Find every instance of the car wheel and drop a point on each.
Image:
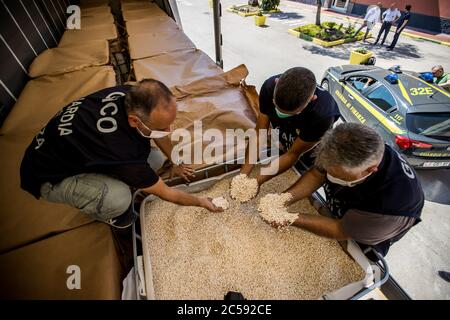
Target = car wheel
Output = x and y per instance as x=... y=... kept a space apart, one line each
x=325 y=85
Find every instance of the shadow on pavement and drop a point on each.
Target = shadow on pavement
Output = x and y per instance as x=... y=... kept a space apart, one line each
x=285 y=15
x=402 y=50
x=436 y=185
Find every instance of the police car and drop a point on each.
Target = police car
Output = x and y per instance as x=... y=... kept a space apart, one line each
x=406 y=108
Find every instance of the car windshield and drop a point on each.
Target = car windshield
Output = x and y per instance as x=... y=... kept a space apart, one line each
x=429 y=124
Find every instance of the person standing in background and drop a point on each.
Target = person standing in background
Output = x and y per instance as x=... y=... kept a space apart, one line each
x=401 y=25
x=389 y=18
x=370 y=20
x=440 y=77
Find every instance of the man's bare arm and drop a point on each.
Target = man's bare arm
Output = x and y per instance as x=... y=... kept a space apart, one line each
x=321 y=226
x=262 y=122
x=164 y=192
x=312 y=180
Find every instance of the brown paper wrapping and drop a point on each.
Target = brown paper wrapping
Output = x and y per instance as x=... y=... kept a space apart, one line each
x=78 y=37
x=177 y=68
x=153 y=44
x=70 y=58
x=43 y=97
x=153 y=24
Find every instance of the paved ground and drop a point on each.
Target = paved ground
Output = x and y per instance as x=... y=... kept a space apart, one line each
x=270 y=50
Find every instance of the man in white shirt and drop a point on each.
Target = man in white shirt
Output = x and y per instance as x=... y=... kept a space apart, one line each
x=372 y=17
x=389 y=18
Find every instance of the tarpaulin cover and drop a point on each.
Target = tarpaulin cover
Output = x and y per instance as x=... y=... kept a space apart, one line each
x=70 y=58
x=220 y=102
x=43 y=97
x=150 y=44
x=177 y=68
x=76 y=37
x=43 y=269
x=154 y=24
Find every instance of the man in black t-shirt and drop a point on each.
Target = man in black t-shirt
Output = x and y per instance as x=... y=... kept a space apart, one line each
x=302 y=112
x=401 y=25
x=371 y=190
x=95 y=149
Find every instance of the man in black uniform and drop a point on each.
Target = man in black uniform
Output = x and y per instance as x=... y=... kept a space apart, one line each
x=302 y=112
x=401 y=25
x=371 y=190
x=93 y=150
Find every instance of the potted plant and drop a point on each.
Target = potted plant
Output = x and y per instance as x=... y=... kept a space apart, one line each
x=360 y=55
x=260 y=19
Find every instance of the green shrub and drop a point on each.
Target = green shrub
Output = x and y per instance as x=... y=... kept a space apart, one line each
x=328 y=31
x=267 y=5
x=306 y=37
x=311 y=30
x=350 y=29
x=324 y=35
x=329 y=25
x=361 y=50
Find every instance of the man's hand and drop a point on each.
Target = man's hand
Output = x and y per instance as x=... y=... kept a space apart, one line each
x=207 y=204
x=277 y=225
x=184 y=171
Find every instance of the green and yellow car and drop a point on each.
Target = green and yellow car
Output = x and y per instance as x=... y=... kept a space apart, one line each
x=406 y=108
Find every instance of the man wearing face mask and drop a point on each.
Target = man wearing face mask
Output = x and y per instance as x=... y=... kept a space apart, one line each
x=96 y=150
x=371 y=190
x=301 y=111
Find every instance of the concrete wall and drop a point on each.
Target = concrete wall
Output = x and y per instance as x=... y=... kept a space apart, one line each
x=430 y=15
x=444 y=8
x=428 y=7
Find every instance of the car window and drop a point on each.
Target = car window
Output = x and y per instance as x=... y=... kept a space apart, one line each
x=436 y=125
x=361 y=83
x=382 y=98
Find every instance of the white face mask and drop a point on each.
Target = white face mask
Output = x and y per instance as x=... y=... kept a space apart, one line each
x=346 y=183
x=154 y=134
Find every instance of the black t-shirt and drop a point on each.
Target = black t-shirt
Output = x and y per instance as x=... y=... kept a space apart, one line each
x=403 y=18
x=392 y=190
x=90 y=135
x=310 y=125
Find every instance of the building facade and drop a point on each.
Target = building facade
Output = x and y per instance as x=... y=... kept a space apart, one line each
x=430 y=15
